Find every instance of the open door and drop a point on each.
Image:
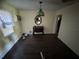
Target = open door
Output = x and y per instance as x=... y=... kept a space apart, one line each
x=58 y=23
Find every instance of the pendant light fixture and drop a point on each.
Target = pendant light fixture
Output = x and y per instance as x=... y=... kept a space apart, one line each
x=40 y=12
x=38 y=18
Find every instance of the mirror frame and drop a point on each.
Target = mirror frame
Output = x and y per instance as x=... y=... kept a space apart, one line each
x=38 y=20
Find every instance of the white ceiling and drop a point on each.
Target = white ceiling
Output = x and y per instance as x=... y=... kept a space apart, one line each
x=34 y=4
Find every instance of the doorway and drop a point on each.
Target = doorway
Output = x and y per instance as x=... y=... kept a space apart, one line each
x=58 y=23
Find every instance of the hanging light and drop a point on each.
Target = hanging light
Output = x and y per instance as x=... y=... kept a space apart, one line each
x=40 y=12
x=38 y=18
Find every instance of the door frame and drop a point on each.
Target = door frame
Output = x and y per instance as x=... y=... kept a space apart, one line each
x=58 y=24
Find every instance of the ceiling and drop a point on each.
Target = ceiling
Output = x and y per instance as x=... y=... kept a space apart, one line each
x=47 y=4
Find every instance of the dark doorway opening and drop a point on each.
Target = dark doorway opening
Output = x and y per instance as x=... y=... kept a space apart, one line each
x=58 y=23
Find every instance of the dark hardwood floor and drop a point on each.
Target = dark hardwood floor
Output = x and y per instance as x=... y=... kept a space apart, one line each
x=50 y=46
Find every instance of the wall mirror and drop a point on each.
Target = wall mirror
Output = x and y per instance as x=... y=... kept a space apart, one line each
x=38 y=20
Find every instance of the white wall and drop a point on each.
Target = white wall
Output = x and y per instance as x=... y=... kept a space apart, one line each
x=28 y=20
x=69 y=29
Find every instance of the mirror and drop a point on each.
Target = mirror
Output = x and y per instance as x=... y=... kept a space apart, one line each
x=38 y=20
